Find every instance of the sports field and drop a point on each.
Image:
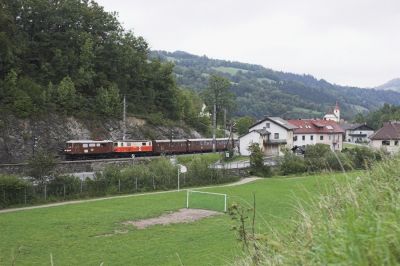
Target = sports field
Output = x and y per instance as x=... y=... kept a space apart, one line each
x=93 y=233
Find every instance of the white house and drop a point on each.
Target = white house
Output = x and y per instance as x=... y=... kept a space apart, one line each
x=271 y=133
x=357 y=133
x=334 y=114
x=313 y=131
x=387 y=137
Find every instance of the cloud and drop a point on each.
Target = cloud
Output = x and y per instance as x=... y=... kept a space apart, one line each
x=349 y=42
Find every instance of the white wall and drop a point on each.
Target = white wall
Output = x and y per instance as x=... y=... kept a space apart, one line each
x=284 y=134
x=246 y=140
x=354 y=139
x=392 y=148
x=328 y=139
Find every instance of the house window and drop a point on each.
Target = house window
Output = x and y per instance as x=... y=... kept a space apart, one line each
x=303 y=137
x=295 y=138
x=321 y=137
x=312 y=137
x=276 y=136
x=386 y=142
x=267 y=125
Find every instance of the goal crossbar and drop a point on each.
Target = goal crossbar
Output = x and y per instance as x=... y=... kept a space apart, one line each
x=188 y=191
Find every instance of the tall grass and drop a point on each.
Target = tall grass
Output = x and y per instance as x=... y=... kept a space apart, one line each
x=352 y=223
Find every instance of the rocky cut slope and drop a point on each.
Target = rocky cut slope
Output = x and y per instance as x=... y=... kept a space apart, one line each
x=17 y=135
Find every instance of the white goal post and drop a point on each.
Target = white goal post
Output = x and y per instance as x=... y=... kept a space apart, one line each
x=189 y=192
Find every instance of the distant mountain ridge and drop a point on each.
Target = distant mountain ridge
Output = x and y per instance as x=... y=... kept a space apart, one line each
x=261 y=91
x=393 y=85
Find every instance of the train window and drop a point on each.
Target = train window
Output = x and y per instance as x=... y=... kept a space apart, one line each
x=92 y=145
x=103 y=144
x=98 y=145
x=129 y=144
x=115 y=144
x=85 y=145
x=143 y=143
x=69 y=145
x=122 y=144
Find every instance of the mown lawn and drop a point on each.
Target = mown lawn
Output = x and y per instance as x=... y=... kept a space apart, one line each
x=77 y=234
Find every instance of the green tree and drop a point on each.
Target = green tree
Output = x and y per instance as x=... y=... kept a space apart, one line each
x=41 y=166
x=257 y=161
x=108 y=102
x=243 y=124
x=315 y=157
x=65 y=95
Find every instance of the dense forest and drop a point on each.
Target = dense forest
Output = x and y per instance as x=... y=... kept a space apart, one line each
x=73 y=58
x=376 y=118
x=261 y=91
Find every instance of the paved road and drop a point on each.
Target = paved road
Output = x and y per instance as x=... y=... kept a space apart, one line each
x=240 y=182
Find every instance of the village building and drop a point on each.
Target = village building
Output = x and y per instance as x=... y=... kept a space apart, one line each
x=333 y=114
x=314 y=131
x=387 y=137
x=273 y=135
x=357 y=133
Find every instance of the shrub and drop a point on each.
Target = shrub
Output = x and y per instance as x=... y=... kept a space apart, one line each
x=315 y=157
x=363 y=157
x=11 y=189
x=41 y=166
x=337 y=161
x=292 y=164
x=257 y=162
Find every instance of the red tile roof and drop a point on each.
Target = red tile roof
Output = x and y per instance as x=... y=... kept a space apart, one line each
x=390 y=130
x=316 y=126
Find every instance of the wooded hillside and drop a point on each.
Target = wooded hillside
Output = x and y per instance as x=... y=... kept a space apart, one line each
x=261 y=91
x=72 y=57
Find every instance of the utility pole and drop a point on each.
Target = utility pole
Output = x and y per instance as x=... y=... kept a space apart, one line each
x=124 y=119
x=214 y=126
x=224 y=122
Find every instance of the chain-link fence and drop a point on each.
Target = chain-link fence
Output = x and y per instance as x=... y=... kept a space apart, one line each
x=68 y=187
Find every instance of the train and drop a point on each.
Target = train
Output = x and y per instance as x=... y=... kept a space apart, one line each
x=101 y=149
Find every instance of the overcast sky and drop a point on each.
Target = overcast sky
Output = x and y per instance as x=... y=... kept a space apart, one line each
x=347 y=42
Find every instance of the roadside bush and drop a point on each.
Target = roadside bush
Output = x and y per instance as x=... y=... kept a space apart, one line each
x=257 y=162
x=64 y=186
x=292 y=164
x=338 y=161
x=363 y=157
x=315 y=157
x=11 y=189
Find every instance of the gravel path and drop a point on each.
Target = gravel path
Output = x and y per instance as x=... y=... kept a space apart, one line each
x=240 y=182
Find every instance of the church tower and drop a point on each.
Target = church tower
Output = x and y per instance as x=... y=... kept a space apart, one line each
x=336 y=112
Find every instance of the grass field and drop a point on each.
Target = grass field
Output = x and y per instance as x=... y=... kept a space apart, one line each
x=92 y=233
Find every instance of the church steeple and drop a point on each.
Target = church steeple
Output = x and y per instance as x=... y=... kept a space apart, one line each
x=336 y=111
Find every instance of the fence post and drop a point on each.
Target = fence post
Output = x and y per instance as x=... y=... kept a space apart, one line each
x=45 y=191
x=81 y=185
x=25 y=196
x=4 y=194
x=136 y=184
x=119 y=185
x=64 y=191
x=154 y=184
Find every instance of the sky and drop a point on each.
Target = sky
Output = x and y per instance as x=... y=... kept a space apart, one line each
x=347 y=42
